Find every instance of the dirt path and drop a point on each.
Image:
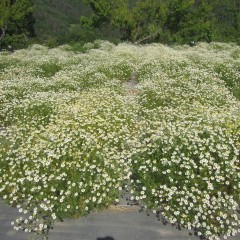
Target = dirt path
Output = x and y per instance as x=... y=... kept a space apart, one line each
x=131 y=86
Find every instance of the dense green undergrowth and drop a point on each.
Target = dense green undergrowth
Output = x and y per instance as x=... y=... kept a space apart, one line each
x=74 y=133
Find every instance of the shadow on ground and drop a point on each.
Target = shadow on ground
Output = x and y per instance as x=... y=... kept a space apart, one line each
x=106 y=238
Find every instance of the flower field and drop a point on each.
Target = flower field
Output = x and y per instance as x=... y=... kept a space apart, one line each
x=74 y=133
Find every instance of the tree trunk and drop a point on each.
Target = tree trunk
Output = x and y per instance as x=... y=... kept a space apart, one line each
x=3 y=29
x=147 y=37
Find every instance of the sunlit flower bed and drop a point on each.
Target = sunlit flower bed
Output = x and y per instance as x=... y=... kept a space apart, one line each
x=73 y=134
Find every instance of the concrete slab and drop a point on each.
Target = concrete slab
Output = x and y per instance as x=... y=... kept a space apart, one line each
x=116 y=223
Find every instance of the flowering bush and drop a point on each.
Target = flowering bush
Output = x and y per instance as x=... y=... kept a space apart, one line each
x=73 y=135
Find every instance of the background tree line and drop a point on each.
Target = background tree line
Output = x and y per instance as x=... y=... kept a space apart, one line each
x=16 y=22
x=168 y=21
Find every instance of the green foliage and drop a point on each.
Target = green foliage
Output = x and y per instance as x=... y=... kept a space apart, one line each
x=76 y=47
x=16 y=22
x=48 y=69
x=178 y=9
x=149 y=19
x=78 y=33
x=122 y=19
x=230 y=75
x=140 y=21
x=53 y=18
x=198 y=25
x=190 y=20
x=226 y=20
x=102 y=10
x=51 y=42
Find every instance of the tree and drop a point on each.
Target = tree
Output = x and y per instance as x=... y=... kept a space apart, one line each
x=149 y=18
x=101 y=11
x=227 y=20
x=122 y=19
x=190 y=20
x=177 y=11
x=198 y=22
x=137 y=21
x=14 y=13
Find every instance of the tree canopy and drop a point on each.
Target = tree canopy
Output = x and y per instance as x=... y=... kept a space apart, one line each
x=15 y=17
x=170 y=21
x=139 y=21
x=135 y=20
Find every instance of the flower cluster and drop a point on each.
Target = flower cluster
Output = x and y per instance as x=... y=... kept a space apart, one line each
x=73 y=135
